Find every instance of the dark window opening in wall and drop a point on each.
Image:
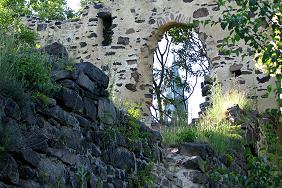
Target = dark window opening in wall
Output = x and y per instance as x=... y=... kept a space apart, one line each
x=107 y=21
x=236 y=73
x=235 y=70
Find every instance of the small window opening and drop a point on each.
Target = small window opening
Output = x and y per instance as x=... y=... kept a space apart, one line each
x=236 y=73
x=107 y=20
x=235 y=70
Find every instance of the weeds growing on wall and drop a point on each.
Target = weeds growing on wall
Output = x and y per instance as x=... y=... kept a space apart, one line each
x=23 y=70
x=212 y=127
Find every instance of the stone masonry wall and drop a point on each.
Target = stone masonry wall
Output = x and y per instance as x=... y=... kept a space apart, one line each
x=73 y=139
x=120 y=38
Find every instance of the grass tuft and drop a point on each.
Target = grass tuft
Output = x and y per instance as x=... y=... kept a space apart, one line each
x=212 y=127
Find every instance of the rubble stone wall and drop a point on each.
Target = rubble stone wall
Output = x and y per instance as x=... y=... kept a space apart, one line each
x=120 y=37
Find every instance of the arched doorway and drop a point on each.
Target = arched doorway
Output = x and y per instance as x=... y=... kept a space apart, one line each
x=177 y=67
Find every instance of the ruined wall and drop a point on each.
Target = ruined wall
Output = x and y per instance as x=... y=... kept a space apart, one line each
x=120 y=37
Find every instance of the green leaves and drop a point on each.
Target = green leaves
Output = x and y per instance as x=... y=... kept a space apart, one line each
x=250 y=23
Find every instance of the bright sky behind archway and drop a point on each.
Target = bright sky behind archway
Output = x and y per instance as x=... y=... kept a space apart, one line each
x=74 y=4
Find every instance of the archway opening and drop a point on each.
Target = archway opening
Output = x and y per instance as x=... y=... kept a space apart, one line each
x=180 y=65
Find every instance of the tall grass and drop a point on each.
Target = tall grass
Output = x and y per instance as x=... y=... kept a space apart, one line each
x=212 y=127
x=22 y=69
x=10 y=86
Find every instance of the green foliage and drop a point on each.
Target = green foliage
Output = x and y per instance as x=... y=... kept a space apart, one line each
x=41 y=97
x=33 y=69
x=83 y=176
x=23 y=70
x=190 y=61
x=181 y=33
x=46 y=10
x=144 y=177
x=226 y=176
x=84 y=3
x=258 y=24
x=188 y=135
x=222 y=101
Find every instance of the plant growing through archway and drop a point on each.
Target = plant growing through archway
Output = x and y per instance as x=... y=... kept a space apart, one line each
x=174 y=83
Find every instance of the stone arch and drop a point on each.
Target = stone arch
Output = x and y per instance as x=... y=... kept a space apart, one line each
x=145 y=68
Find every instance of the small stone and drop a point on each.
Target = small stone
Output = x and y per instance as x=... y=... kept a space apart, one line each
x=30 y=157
x=106 y=111
x=201 y=12
x=123 y=41
x=90 y=109
x=193 y=163
x=12 y=109
x=36 y=141
x=70 y=99
x=198 y=177
x=64 y=155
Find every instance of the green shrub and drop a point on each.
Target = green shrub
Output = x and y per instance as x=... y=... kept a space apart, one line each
x=144 y=177
x=23 y=70
x=187 y=135
x=33 y=69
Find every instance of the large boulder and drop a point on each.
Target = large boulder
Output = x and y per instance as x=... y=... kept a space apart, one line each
x=95 y=74
x=57 y=52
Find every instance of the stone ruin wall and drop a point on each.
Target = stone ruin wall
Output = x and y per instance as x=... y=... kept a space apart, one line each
x=137 y=26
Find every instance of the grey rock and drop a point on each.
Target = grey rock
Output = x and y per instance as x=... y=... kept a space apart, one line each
x=94 y=74
x=63 y=117
x=90 y=108
x=85 y=123
x=85 y=82
x=50 y=172
x=58 y=75
x=36 y=141
x=118 y=183
x=206 y=90
x=31 y=157
x=29 y=184
x=71 y=138
x=195 y=149
x=26 y=172
x=63 y=154
x=12 y=109
x=123 y=40
x=106 y=111
x=235 y=67
x=2 y=185
x=141 y=164
x=194 y=163
x=28 y=113
x=201 y=12
x=123 y=159
x=56 y=49
x=95 y=150
x=11 y=138
x=70 y=99
x=121 y=140
x=95 y=181
x=198 y=177
x=8 y=169
x=69 y=84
